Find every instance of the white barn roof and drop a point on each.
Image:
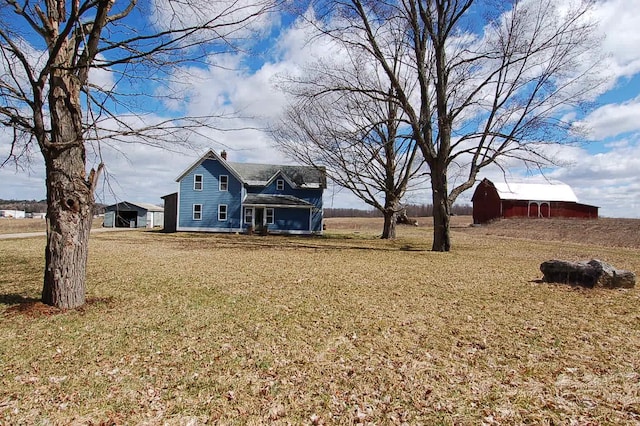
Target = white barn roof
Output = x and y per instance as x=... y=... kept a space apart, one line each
x=536 y=191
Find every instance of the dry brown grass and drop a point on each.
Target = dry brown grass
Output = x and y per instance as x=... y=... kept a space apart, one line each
x=343 y=329
x=16 y=226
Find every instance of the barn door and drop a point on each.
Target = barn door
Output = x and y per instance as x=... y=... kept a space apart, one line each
x=545 y=210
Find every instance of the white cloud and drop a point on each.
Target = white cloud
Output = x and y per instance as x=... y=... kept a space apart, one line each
x=618 y=24
x=143 y=173
x=613 y=119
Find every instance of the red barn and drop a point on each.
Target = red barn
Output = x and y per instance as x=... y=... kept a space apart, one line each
x=531 y=199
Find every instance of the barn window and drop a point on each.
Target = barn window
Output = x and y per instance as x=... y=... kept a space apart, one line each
x=197 y=212
x=280 y=185
x=269 y=216
x=222 y=212
x=248 y=215
x=197 y=182
x=224 y=183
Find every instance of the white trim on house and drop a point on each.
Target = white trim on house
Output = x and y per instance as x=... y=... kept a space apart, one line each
x=193 y=211
x=281 y=175
x=199 y=229
x=266 y=216
x=239 y=230
x=195 y=182
x=285 y=232
x=246 y=209
x=210 y=155
x=226 y=183
x=226 y=212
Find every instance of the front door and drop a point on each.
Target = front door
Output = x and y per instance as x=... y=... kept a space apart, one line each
x=259 y=219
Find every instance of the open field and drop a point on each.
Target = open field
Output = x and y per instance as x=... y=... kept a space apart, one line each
x=604 y=231
x=343 y=329
x=14 y=226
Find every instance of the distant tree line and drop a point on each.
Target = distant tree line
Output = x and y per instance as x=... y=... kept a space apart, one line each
x=38 y=206
x=412 y=210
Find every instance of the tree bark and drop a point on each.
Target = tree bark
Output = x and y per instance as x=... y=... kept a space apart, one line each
x=389 y=228
x=69 y=197
x=441 y=213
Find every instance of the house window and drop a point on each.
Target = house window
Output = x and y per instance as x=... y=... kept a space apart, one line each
x=222 y=212
x=224 y=183
x=197 y=212
x=280 y=185
x=197 y=182
x=248 y=215
x=269 y=216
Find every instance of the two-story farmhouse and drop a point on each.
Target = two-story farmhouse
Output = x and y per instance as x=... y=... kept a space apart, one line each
x=216 y=195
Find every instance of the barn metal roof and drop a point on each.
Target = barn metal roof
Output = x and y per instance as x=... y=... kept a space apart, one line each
x=124 y=205
x=535 y=190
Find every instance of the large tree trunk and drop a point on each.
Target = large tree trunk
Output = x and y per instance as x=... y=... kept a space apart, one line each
x=389 y=229
x=69 y=197
x=441 y=231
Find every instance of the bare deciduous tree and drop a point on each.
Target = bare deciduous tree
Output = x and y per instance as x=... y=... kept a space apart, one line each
x=48 y=48
x=487 y=85
x=343 y=119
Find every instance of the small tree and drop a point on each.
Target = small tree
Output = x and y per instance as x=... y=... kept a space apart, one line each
x=473 y=99
x=48 y=49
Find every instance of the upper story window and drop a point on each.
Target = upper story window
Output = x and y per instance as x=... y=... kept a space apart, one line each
x=222 y=212
x=280 y=185
x=224 y=183
x=197 y=182
x=197 y=212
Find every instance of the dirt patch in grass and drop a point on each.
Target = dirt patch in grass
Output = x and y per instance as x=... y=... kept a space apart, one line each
x=34 y=308
x=342 y=329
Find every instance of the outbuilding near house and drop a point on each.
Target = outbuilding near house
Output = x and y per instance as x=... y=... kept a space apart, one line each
x=15 y=214
x=533 y=199
x=133 y=215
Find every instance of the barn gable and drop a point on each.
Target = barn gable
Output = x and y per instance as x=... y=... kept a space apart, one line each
x=532 y=199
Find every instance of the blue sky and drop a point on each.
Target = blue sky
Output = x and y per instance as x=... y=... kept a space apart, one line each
x=604 y=171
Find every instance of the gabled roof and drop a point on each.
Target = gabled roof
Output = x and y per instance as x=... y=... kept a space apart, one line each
x=535 y=190
x=263 y=174
x=145 y=206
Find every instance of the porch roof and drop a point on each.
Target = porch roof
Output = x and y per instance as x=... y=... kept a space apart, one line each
x=269 y=200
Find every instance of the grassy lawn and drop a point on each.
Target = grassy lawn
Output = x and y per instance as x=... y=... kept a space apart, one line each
x=16 y=226
x=343 y=329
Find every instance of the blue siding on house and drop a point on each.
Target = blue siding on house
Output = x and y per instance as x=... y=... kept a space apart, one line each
x=210 y=197
x=313 y=196
x=295 y=218
x=290 y=220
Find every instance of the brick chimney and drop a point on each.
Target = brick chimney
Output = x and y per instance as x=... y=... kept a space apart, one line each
x=223 y=154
